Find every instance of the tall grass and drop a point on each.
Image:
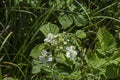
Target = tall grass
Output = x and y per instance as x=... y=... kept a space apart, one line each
x=21 y=20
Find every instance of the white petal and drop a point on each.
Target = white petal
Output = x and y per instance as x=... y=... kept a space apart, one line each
x=50 y=59
x=44 y=52
x=75 y=53
x=68 y=48
x=67 y=54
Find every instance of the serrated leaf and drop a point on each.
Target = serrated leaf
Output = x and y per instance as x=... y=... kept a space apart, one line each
x=112 y=71
x=36 y=69
x=80 y=34
x=96 y=63
x=36 y=51
x=79 y=20
x=107 y=43
x=91 y=55
x=49 y=28
x=65 y=20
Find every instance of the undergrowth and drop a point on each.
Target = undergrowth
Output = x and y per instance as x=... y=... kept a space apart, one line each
x=59 y=39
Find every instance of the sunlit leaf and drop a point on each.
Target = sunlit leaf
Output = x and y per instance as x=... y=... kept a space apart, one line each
x=36 y=51
x=96 y=63
x=80 y=34
x=36 y=69
x=49 y=28
x=107 y=43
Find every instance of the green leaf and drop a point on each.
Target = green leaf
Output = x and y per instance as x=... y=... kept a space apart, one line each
x=75 y=75
x=36 y=51
x=69 y=2
x=72 y=7
x=93 y=60
x=10 y=78
x=80 y=34
x=107 y=43
x=112 y=71
x=36 y=66
x=79 y=20
x=36 y=69
x=58 y=4
x=97 y=63
x=46 y=69
x=49 y=28
x=40 y=67
x=65 y=20
x=118 y=59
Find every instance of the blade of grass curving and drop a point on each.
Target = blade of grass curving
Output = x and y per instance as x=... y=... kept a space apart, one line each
x=2 y=24
x=107 y=17
x=13 y=64
x=4 y=29
x=105 y=8
x=25 y=11
x=31 y=31
x=5 y=40
x=83 y=9
x=40 y=21
x=45 y=19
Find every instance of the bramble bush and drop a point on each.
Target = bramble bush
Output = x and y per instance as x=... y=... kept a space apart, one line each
x=59 y=40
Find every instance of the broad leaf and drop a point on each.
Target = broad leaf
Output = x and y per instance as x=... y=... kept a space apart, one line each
x=97 y=63
x=79 y=20
x=36 y=66
x=65 y=20
x=80 y=34
x=39 y=67
x=36 y=51
x=49 y=28
x=107 y=43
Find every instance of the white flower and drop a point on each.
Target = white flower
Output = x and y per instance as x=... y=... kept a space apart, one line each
x=71 y=52
x=51 y=38
x=65 y=42
x=45 y=57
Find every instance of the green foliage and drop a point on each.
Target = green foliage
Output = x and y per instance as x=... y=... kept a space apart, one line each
x=107 y=43
x=80 y=34
x=49 y=28
x=59 y=40
x=65 y=20
x=37 y=50
x=9 y=78
x=112 y=71
x=79 y=20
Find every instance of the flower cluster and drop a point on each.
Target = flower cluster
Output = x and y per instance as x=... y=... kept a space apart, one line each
x=71 y=52
x=51 y=38
x=61 y=47
x=45 y=56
